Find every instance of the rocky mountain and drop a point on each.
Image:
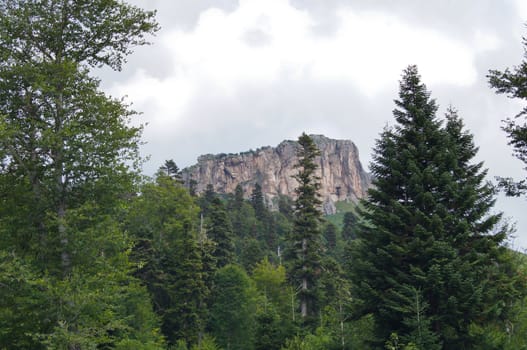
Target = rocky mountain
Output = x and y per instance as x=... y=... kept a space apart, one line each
x=340 y=170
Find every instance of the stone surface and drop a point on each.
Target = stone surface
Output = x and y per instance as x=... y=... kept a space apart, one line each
x=341 y=174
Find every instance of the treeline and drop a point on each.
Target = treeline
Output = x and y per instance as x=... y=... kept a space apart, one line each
x=95 y=256
x=225 y=270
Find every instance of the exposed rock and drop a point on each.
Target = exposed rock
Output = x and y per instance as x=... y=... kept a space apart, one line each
x=341 y=174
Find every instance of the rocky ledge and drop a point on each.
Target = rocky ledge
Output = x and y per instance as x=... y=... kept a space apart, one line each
x=341 y=173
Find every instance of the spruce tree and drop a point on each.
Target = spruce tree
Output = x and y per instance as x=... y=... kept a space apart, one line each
x=428 y=228
x=349 y=224
x=238 y=199
x=206 y=198
x=304 y=252
x=330 y=234
x=219 y=230
x=257 y=201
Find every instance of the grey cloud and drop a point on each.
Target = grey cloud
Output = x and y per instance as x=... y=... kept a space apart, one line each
x=265 y=115
x=456 y=17
x=155 y=59
x=256 y=38
x=183 y=14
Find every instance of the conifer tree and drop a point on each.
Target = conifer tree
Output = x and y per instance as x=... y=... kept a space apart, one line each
x=304 y=252
x=186 y=317
x=171 y=169
x=428 y=227
x=163 y=223
x=257 y=201
x=232 y=312
x=219 y=230
x=238 y=198
x=330 y=234
x=349 y=224
x=205 y=201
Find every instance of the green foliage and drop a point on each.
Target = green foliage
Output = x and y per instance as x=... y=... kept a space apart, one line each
x=318 y=341
x=285 y=206
x=207 y=343
x=349 y=226
x=205 y=201
x=251 y=252
x=237 y=200
x=413 y=309
x=257 y=201
x=64 y=142
x=342 y=207
x=304 y=250
x=24 y=304
x=98 y=304
x=69 y=158
x=395 y=344
x=163 y=221
x=171 y=169
x=428 y=228
x=269 y=329
x=101 y=304
x=232 y=310
x=270 y=283
x=274 y=308
x=95 y=313
x=330 y=235
x=219 y=230
x=270 y=280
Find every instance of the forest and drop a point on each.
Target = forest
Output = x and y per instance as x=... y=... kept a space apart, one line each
x=95 y=255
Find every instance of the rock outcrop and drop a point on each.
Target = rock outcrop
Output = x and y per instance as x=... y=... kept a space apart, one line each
x=341 y=174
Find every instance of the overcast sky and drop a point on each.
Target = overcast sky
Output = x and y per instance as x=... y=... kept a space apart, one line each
x=232 y=75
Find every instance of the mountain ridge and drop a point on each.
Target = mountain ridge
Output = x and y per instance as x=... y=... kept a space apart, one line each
x=341 y=173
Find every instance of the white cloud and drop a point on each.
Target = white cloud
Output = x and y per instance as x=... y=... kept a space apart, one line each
x=521 y=6
x=370 y=49
x=165 y=98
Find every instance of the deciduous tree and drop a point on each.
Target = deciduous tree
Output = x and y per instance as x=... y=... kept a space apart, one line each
x=68 y=159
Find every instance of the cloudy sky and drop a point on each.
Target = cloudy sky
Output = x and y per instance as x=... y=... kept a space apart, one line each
x=232 y=75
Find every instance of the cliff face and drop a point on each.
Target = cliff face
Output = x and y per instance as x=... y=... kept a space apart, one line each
x=340 y=170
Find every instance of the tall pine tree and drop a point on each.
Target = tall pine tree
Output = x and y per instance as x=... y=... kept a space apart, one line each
x=304 y=253
x=219 y=230
x=428 y=228
x=257 y=201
